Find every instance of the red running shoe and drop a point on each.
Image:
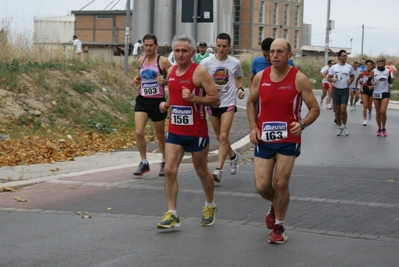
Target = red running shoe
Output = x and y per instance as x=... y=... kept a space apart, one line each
x=270 y=218
x=278 y=236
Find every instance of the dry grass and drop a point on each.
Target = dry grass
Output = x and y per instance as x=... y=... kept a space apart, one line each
x=46 y=95
x=20 y=47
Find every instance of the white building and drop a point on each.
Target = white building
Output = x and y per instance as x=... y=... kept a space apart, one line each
x=53 y=30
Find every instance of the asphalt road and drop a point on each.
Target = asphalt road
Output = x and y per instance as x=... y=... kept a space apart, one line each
x=343 y=211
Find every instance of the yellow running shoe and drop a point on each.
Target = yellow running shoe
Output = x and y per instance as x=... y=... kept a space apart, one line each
x=169 y=221
x=209 y=215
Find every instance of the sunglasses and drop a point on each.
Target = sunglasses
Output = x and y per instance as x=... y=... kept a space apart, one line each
x=381 y=60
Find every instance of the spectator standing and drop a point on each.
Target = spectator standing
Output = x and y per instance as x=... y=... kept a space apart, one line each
x=77 y=45
x=137 y=49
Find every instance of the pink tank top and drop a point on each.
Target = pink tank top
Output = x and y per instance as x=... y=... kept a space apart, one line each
x=149 y=87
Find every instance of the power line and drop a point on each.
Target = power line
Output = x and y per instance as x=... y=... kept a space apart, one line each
x=86 y=5
x=109 y=4
x=115 y=4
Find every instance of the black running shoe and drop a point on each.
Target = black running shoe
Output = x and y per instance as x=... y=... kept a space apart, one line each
x=143 y=168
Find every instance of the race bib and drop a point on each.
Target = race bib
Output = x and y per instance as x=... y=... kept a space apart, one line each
x=377 y=95
x=274 y=130
x=149 y=88
x=181 y=115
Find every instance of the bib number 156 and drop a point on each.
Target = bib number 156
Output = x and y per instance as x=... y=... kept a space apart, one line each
x=180 y=120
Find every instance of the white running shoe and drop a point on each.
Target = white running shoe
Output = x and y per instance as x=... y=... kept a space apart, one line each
x=234 y=163
x=217 y=175
x=370 y=116
x=351 y=108
x=340 y=131
x=364 y=123
x=321 y=103
x=346 y=131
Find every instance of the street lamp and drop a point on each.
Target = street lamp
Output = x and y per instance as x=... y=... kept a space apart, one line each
x=351 y=44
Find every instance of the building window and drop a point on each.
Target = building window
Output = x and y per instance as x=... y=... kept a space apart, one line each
x=260 y=36
x=296 y=45
x=237 y=10
x=275 y=13
x=285 y=34
x=262 y=12
x=236 y=40
x=274 y=33
x=286 y=8
x=296 y=16
x=105 y=16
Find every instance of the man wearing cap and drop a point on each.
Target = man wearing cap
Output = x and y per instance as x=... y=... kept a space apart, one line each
x=202 y=52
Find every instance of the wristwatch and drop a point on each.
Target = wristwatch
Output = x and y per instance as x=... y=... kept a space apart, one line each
x=303 y=125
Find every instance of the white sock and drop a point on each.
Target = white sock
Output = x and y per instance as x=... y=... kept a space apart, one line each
x=210 y=204
x=174 y=212
x=144 y=161
x=279 y=222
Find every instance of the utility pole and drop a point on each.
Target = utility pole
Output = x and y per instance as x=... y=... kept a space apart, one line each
x=127 y=34
x=251 y=25
x=326 y=51
x=362 y=38
x=195 y=21
x=351 y=44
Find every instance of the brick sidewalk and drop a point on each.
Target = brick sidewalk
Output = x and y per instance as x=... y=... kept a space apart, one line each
x=323 y=200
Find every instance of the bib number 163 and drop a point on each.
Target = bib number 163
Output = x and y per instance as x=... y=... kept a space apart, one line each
x=271 y=136
x=274 y=130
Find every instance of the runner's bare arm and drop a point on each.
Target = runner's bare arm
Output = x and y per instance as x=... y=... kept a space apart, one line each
x=203 y=79
x=250 y=80
x=240 y=89
x=165 y=64
x=252 y=108
x=358 y=78
x=137 y=79
x=305 y=88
